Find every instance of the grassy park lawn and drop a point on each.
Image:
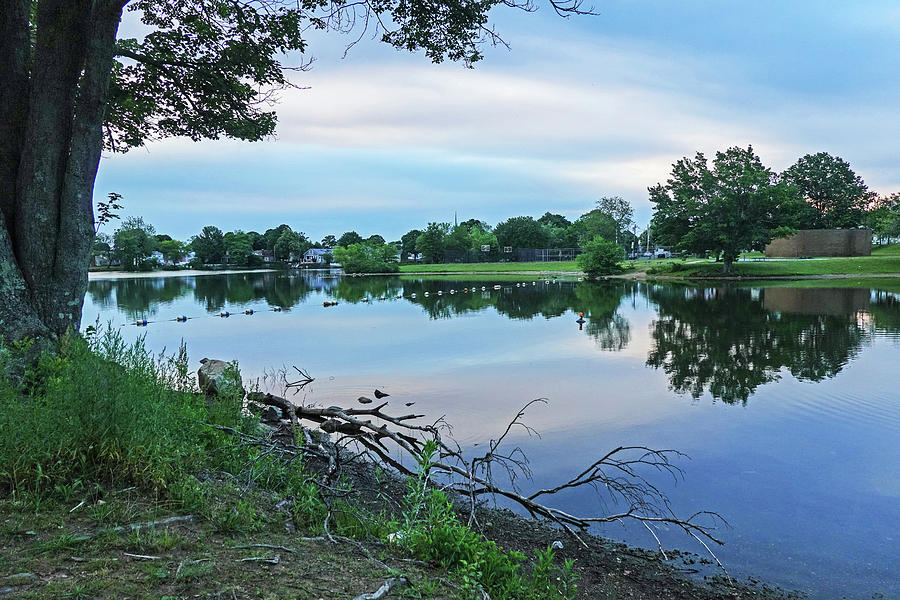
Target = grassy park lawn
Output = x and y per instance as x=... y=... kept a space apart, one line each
x=496 y=267
x=884 y=260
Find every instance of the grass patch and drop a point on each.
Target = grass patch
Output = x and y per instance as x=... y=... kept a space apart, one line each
x=886 y=250
x=497 y=267
x=99 y=411
x=103 y=435
x=878 y=264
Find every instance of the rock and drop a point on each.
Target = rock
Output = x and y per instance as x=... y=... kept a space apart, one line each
x=270 y=414
x=217 y=378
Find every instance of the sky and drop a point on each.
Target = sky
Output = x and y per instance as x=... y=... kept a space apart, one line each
x=578 y=108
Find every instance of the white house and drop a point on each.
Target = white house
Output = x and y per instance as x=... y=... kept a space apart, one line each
x=316 y=256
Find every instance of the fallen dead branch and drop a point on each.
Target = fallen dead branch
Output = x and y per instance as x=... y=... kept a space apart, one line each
x=140 y=556
x=266 y=546
x=272 y=560
x=620 y=476
x=384 y=590
x=143 y=525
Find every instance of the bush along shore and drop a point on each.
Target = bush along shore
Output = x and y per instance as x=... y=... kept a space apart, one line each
x=119 y=478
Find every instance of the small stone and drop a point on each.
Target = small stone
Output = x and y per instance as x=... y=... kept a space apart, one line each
x=557 y=544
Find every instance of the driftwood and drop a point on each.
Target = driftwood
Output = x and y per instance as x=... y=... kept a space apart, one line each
x=384 y=590
x=377 y=434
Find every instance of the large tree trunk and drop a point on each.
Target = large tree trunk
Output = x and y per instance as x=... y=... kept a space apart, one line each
x=54 y=76
x=728 y=259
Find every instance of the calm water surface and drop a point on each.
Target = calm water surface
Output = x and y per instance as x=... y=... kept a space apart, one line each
x=787 y=399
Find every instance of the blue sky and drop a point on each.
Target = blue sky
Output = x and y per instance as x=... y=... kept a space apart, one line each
x=579 y=108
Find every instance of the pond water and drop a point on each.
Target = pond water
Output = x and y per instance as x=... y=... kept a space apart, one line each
x=786 y=398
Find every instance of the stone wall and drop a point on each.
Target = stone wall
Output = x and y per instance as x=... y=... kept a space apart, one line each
x=823 y=242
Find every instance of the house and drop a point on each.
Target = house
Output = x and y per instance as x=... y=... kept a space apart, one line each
x=265 y=255
x=317 y=256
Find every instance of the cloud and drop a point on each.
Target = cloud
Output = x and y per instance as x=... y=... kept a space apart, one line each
x=578 y=110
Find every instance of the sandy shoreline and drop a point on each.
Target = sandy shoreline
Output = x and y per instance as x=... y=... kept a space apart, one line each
x=101 y=275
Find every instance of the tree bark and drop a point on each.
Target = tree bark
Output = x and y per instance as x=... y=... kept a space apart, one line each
x=54 y=78
x=76 y=231
x=14 y=57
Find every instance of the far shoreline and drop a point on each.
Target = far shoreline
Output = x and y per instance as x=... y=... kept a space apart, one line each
x=101 y=275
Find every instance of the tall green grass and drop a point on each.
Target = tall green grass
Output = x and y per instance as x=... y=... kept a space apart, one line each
x=103 y=411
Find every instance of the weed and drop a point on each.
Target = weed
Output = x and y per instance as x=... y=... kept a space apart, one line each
x=192 y=570
x=432 y=532
x=152 y=540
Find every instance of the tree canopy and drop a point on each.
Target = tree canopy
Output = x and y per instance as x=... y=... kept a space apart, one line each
x=521 y=232
x=134 y=242
x=209 y=246
x=835 y=196
x=350 y=237
x=736 y=204
x=619 y=211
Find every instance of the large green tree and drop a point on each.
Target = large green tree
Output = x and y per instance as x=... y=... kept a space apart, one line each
x=134 y=242
x=591 y=224
x=203 y=69
x=408 y=243
x=209 y=246
x=289 y=244
x=432 y=242
x=350 y=237
x=172 y=250
x=734 y=205
x=835 y=195
x=883 y=217
x=239 y=247
x=521 y=232
x=619 y=210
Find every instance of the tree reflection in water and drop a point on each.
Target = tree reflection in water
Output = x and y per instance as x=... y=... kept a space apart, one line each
x=142 y=297
x=598 y=301
x=729 y=340
x=724 y=340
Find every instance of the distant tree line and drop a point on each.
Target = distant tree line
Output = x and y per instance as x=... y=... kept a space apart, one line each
x=611 y=218
x=720 y=208
x=135 y=245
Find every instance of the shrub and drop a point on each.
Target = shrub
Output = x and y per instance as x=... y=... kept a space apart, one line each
x=365 y=258
x=600 y=257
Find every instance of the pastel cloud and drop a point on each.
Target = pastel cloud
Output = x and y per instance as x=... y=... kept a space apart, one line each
x=385 y=142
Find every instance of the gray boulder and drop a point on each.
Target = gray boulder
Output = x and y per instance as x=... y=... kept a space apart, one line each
x=217 y=378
